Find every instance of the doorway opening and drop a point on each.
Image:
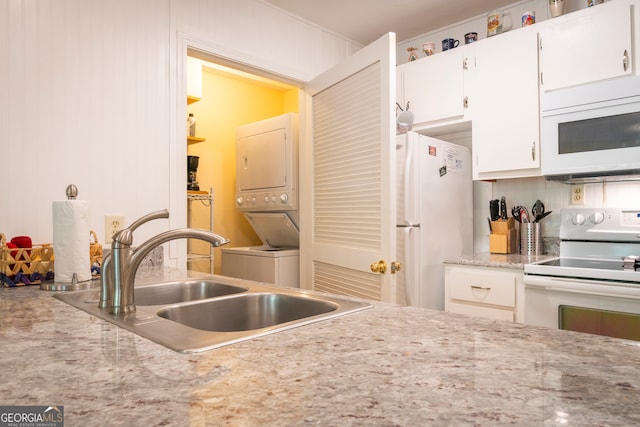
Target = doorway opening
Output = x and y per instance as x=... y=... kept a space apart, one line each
x=228 y=95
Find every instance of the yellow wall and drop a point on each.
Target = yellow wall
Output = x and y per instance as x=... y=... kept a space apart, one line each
x=227 y=102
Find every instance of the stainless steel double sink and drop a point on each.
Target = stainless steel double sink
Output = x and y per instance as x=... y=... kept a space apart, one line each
x=199 y=314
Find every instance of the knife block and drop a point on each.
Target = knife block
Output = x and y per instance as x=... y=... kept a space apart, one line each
x=504 y=237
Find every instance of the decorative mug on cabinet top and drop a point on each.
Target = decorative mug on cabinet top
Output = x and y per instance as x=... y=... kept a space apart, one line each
x=429 y=48
x=449 y=44
x=498 y=22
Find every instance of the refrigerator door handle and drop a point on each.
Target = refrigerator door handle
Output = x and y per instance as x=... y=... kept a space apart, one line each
x=408 y=173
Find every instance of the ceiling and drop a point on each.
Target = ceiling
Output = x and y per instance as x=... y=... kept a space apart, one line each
x=364 y=21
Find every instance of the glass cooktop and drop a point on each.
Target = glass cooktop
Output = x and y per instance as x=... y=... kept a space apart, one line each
x=584 y=268
x=584 y=263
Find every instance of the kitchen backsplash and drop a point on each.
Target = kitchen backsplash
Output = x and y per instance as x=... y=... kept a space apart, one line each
x=154 y=259
x=554 y=195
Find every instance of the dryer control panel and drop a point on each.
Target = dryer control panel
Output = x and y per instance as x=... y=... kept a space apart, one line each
x=267 y=201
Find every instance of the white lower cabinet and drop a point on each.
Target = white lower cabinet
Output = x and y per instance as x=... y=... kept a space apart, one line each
x=494 y=293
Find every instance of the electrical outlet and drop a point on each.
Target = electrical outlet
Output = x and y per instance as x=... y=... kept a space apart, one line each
x=577 y=194
x=112 y=224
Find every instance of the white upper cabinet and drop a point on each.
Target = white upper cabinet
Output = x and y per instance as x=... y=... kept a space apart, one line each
x=505 y=103
x=586 y=46
x=434 y=87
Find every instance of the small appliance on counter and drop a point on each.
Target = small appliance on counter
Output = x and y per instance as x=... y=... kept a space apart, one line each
x=192 y=169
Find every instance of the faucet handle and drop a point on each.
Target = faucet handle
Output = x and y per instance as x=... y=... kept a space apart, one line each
x=123 y=237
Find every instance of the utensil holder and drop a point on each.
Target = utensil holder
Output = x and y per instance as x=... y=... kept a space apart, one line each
x=530 y=242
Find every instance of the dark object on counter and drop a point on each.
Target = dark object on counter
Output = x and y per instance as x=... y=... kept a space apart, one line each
x=192 y=169
x=515 y=212
x=494 y=209
x=537 y=209
x=543 y=216
x=503 y=208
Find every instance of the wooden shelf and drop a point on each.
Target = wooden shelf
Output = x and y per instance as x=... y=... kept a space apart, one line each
x=194 y=140
x=192 y=99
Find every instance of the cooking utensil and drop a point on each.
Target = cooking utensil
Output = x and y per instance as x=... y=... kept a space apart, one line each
x=541 y=217
x=503 y=208
x=537 y=209
x=515 y=212
x=524 y=215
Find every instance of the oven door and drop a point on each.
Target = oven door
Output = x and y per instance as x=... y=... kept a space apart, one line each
x=599 y=307
x=593 y=139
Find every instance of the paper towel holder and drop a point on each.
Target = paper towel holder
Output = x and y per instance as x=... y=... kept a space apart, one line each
x=72 y=193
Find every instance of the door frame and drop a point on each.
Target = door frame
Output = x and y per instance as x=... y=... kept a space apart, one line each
x=186 y=44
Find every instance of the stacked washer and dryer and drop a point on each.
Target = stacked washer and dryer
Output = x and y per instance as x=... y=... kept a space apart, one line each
x=267 y=193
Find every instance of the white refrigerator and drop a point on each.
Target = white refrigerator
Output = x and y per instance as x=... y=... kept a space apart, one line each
x=434 y=215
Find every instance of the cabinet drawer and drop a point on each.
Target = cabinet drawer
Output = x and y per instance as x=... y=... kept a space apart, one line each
x=486 y=312
x=483 y=286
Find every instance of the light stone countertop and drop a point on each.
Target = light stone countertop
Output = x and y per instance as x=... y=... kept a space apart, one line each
x=515 y=261
x=386 y=366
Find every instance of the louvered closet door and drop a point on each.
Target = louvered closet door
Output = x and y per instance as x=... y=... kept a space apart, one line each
x=350 y=222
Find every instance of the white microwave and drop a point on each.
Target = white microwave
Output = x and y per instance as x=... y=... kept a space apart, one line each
x=592 y=131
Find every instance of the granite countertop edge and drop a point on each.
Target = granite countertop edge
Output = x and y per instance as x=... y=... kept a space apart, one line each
x=388 y=366
x=513 y=261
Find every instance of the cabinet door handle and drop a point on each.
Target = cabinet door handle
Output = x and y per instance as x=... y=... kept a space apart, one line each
x=465 y=102
x=533 y=151
x=465 y=64
x=481 y=288
x=625 y=60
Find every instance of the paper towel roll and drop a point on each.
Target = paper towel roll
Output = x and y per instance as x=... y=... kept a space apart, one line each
x=71 y=240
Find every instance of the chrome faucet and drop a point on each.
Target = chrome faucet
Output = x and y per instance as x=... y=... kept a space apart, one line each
x=106 y=289
x=126 y=261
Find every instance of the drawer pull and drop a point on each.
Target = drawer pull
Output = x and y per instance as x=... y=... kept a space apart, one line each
x=481 y=288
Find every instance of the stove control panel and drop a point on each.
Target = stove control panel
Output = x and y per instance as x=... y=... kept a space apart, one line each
x=631 y=218
x=600 y=224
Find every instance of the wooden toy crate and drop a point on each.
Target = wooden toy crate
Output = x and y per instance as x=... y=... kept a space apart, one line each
x=95 y=250
x=37 y=259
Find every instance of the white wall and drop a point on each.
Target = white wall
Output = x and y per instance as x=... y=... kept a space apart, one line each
x=91 y=93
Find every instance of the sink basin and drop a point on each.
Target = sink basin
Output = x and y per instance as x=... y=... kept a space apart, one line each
x=246 y=312
x=181 y=291
x=194 y=315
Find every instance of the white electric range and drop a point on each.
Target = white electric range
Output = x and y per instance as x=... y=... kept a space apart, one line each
x=594 y=285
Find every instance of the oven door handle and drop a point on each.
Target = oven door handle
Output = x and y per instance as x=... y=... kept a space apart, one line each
x=582 y=286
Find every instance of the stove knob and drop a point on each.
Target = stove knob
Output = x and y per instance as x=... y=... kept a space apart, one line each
x=596 y=217
x=578 y=219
